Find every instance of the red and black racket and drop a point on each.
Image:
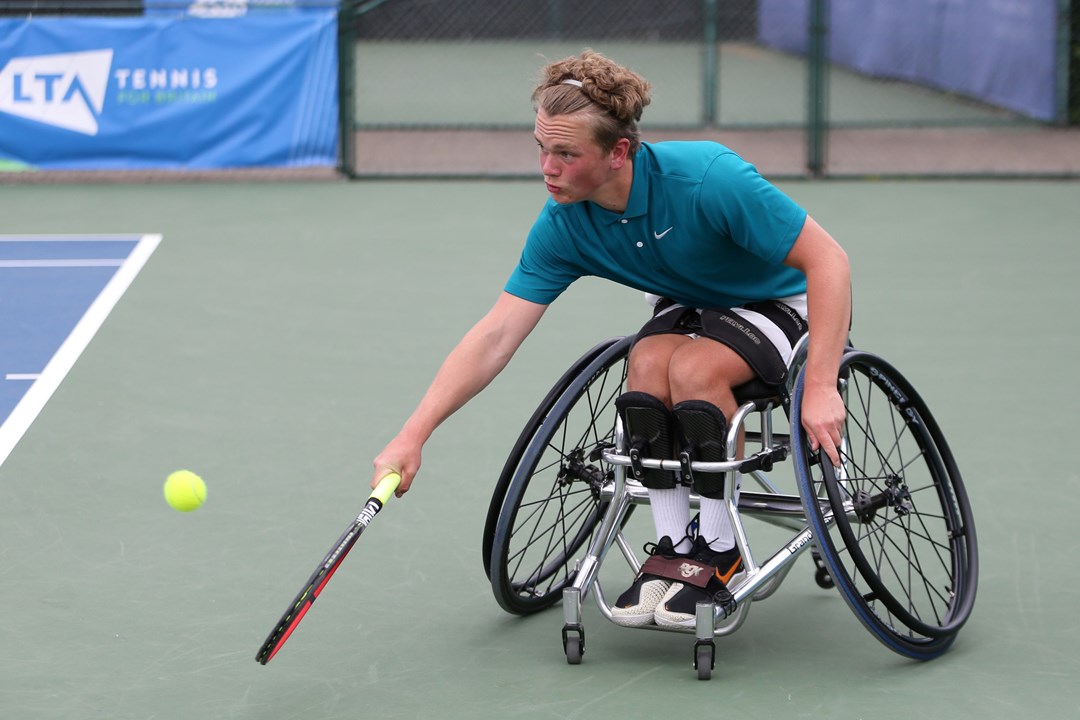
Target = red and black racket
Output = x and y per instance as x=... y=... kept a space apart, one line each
x=299 y=607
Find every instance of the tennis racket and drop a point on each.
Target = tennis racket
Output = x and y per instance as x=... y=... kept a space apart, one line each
x=299 y=607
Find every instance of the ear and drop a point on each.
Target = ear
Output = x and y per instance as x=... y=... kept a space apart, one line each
x=620 y=153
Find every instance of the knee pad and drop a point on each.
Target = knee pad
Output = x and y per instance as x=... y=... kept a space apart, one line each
x=650 y=431
x=702 y=432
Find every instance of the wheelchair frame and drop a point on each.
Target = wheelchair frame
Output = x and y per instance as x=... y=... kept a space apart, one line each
x=856 y=519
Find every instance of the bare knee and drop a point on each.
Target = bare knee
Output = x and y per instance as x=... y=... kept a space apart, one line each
x=693 y=376
x=650 y=360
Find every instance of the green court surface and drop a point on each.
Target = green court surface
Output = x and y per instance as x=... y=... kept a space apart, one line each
x=282 y=332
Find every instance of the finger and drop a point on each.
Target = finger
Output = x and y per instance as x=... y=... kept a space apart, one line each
x=383 y=471
x=827 y=444
x=406 y=482
x=831 y=445
x=832 y=453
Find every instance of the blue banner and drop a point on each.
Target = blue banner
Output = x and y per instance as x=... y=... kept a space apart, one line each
x=998 y=51
x=169 y=92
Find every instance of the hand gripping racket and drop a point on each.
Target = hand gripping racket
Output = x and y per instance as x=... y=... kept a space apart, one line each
x=299 y=607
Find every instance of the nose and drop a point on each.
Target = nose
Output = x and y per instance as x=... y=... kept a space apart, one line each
x=548 y=165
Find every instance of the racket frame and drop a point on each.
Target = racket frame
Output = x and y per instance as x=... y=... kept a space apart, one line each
x=326 y=569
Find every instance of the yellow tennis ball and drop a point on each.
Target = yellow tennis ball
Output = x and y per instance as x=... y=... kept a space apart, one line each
x=185 y=491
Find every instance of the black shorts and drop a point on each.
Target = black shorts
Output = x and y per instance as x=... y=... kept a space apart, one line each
x=762 y=333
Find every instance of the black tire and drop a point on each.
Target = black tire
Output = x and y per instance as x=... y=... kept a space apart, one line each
x=893 y=526
x=704 y=660
x=514 y=458
x=574 y=650
x=552 y=504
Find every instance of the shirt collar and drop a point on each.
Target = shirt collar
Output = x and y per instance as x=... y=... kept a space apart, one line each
x=638 y=202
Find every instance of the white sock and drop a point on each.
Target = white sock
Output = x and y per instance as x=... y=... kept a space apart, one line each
x=671 y=514
x=714 y=525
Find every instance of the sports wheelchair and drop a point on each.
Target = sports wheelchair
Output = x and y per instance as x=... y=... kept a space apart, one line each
x=891 y=528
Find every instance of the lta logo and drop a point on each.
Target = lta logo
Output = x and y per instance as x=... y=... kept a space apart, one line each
x=65 y=90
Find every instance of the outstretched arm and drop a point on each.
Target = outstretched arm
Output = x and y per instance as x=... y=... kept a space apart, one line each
x=828 y=298
x=469 y=368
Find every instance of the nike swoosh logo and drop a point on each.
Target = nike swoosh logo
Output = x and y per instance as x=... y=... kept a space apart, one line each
x=660 y=235
x=726 y=577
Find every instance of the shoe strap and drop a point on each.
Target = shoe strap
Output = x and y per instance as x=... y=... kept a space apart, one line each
x=680 y=569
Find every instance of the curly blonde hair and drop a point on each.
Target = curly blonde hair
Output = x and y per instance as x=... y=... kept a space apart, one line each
x=612 y=95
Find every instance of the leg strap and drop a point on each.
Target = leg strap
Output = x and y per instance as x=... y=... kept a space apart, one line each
x=649 y=431
x=702 y=430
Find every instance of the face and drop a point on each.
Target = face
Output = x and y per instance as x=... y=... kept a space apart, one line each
x=574 y=166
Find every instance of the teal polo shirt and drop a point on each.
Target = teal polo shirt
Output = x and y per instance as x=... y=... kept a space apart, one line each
x=701 y=227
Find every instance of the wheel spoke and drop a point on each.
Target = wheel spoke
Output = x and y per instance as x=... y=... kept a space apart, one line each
x=898 y=547
x=552 y=505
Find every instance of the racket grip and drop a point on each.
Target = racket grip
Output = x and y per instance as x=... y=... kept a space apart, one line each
x=386 y=487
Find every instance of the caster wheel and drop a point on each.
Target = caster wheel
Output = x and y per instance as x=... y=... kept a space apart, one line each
x=573 y=643
x=573 y=650
x=704 y=659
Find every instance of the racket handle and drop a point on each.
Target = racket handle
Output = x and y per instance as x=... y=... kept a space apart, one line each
x=386 y=487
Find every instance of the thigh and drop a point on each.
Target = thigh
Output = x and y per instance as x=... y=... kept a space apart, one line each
x=706 y=369
x=650 y=359
x=753 y=337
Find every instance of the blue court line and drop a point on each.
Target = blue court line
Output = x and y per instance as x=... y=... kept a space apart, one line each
x=55 y=293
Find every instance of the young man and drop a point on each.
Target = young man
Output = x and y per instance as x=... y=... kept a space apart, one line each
x=736 y=270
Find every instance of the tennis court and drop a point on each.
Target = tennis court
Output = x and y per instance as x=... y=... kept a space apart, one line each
x=59 y=290
x=280 y=334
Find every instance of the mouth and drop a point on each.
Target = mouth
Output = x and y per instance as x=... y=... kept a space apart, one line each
x=553 y=189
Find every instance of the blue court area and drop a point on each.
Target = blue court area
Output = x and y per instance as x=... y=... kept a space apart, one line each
x=57 y=290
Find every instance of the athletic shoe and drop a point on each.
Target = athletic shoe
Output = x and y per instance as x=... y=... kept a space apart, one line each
x=637 y=605
x=708 y=572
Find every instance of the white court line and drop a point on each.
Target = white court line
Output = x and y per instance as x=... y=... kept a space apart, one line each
x=20 y=419
x=90 y=263
x=22 y=376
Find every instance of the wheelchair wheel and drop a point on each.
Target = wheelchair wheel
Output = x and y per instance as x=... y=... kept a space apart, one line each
x=893 y=524
x=514 y=458
x=552 y=501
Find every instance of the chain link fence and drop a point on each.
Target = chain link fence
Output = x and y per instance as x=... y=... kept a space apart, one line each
x=800 y=87
x=443 y=88
x=430 y=88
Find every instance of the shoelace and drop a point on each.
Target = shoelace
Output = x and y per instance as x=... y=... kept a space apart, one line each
x=691 y=536
x=651 y=548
